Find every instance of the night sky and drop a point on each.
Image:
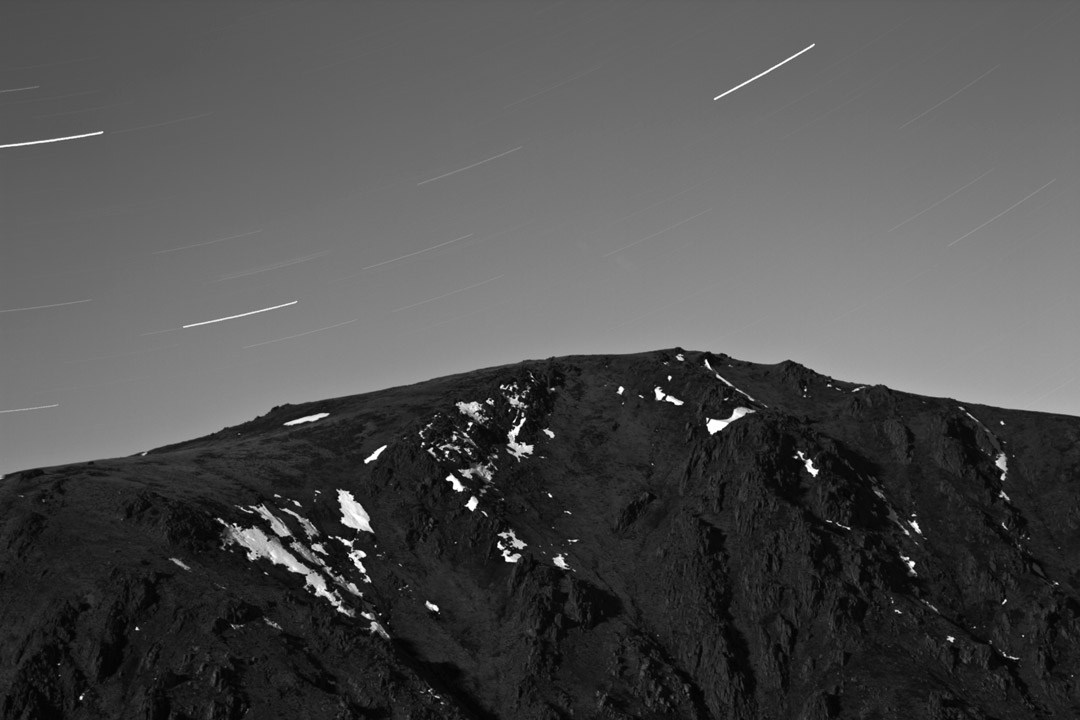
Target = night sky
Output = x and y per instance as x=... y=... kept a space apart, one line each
x=413 y=189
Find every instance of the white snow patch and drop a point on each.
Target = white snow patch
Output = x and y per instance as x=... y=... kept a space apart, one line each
x=660 y=395
x=261 y=545
x=549 y=433
x=728 y=383
x=377 y=629
x=846 y=527
x=511 y=542
x=455 y=483
x=374 y=456
x=431 y=606
x=181 y=563
x=620 y=390
x=680 y=358
x=910 y=565
x=1002 y=463
x=318 y=547
x=307 y=419
x=799 y=455
x=485 y=471
x=1003 y=496
x=309 y=528
x=357 y=556
x=276 y=525
x=518 y=450
x=915 y=525
x=560 y=560
x=271 y=623
x=715 y=426
x=950 y=638
x=473 y=502
x=474 y=410
x=352 y=513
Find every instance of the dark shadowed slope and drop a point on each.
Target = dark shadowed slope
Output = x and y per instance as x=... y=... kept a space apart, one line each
x=661 y=535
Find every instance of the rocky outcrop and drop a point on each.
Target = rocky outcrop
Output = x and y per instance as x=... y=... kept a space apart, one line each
x=670 y=534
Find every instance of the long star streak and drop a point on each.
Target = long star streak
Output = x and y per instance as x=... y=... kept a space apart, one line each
x=950 y=97
x=764 y=73
x=42 y=307
x=452 y=292
x=29 y=87
x=413 y=254
x=658 y=232
x=273 y=266
x=38 y=407
x=309 y=332
x=52 y=140
x=233 y=317
x=208 y=242
x=972 y=232
x=921 y=212
x=467 y=167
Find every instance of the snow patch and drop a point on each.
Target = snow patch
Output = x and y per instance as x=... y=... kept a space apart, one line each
x=660 y=395
x=431 y=606
x=910 y=565
x=799 y=455
x=455 y=483
x=473 y=502
x=352 y=513
x=309 y=528
x=560 y=560
x=914 y=525
x=549 y=433
x=279 y=528
x=261 y=545
x=374 y=456
x=511 y=542
x=474 y=410
x=715 y=426
x=307 y=419
x=181 y=563
x=518 y=450
x=1002 y=463
x=620 y=390
x=726 y=382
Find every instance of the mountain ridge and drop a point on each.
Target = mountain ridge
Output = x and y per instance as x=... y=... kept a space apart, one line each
x=664 y=534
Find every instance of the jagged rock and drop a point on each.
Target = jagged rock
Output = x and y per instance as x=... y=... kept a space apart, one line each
x=661 y=535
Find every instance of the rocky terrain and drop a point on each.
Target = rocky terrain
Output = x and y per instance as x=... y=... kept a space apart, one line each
x=670 y=534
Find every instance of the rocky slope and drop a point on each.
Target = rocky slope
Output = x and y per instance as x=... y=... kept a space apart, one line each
x=663 y=535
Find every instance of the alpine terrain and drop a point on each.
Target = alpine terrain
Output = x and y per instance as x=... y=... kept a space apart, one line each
x=669 y=534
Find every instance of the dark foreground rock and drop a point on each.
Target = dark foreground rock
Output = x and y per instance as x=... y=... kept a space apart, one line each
x=664 y=535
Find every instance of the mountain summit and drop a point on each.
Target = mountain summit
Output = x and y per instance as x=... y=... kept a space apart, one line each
x=670 y=534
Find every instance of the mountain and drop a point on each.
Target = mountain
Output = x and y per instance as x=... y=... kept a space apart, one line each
x=670 y=534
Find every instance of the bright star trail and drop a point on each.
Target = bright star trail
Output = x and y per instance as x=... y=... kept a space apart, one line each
x=52 y=140
x=763 y=74
x=449 y=186
x=233 y=317
x=26 y=409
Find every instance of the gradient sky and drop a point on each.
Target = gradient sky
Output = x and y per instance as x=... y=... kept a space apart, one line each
x=444 y=186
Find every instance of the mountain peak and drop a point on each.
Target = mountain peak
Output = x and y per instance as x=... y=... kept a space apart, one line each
x=664 y=534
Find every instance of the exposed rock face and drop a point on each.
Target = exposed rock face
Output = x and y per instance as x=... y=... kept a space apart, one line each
x=665 y=535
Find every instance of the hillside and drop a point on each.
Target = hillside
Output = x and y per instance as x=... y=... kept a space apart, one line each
x=670 y=534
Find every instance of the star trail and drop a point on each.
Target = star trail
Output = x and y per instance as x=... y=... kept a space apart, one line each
x=874 y=190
